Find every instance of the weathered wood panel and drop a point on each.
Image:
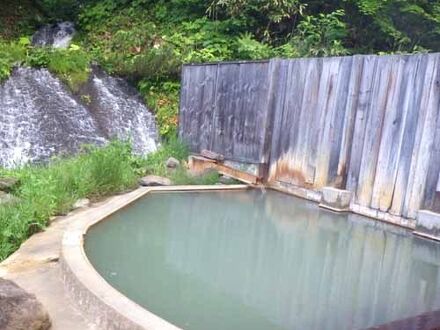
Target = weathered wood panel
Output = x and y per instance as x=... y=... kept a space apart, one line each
x=225 y=108
x=369 y=124
x=314 y=121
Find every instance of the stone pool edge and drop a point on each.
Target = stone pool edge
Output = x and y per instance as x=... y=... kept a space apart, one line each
x=96 y=298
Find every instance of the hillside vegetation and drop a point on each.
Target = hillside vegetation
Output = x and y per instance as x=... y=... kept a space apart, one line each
x=146 y=41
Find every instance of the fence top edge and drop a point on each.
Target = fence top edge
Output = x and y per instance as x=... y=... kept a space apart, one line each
x=306 y=58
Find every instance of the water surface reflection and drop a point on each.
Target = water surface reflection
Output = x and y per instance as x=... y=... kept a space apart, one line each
x=248 y=260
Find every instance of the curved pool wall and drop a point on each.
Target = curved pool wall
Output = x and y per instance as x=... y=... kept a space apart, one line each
x=96 y=298
x=254 y=260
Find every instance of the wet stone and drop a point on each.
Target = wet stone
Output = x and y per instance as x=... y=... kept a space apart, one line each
x=21 y=310
x=154 y=180
x=58 y=35
x=224 y=179
x=172 y=163
x=336 y=199
x=81 y=203
x=428 y=224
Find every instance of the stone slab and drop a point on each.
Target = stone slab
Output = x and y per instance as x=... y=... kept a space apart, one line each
x=336 y=199
x=428 y=224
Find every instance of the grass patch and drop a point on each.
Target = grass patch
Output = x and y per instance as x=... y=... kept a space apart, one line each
x=155 y=164
x=53 y=188
x=47 y=190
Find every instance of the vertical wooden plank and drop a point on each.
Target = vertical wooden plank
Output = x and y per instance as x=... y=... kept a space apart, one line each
x=278 y=113
x=382 y=84
x=270 y=108
x=309 y=113
x=183 y=101
x=287 y=123
x=390 y=140
x=227 y=81
x=276 y=147
x=207 y=104
x=349 y=120
x=331 y=126
x=424 y=138
x=411 y=101
x=362 y=114
x=432 y=188
x=319 y=154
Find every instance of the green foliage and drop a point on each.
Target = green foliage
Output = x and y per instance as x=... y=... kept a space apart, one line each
x=321 y=35
x=47 y=190
x=163 y=99
x=249 y=48
x=52 y=189
x=155 y=164
x=11 y=53
x=70 y=65
x=267 y=19
x=147 y=41
x=60 y=9
x=19 y=18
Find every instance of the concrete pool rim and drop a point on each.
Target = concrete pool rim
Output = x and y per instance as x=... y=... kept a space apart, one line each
x=110 y=309
x=94 y=296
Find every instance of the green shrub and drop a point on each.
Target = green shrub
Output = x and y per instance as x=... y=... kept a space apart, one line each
x=321 y=35
x=71 y=65
x=249 y=48
x=163 y=99
x=154 y=163
x=182 y=177
x=11 y=53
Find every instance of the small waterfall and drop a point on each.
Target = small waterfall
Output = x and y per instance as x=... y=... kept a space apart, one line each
x=40 y=118
x=58 y=35
x=120 y=112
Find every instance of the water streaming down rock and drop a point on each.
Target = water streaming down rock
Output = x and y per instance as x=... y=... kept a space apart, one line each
x=119 y=111
x=40 y=117
x=58 y=35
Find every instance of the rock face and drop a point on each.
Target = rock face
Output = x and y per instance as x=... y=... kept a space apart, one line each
x=154 y=180
x=40 y=118
x=58 y=35
x=20 y=310
x=119 y=111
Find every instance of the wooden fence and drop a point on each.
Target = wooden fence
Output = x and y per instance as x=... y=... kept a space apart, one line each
x=368 y=124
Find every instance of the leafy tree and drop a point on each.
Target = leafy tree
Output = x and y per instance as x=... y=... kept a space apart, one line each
x=268 y=19
x=321 y=35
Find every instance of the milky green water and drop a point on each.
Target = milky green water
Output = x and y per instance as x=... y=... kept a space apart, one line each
x=253 y=260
